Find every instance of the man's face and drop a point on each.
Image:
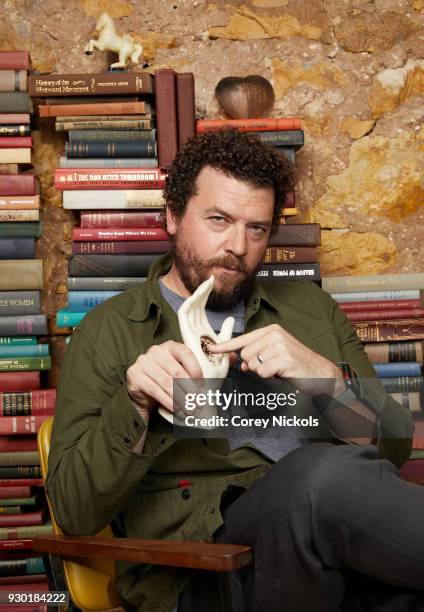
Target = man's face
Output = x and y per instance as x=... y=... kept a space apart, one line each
x=224 y=232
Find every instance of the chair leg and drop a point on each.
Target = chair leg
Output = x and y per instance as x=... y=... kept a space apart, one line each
x=231 y=592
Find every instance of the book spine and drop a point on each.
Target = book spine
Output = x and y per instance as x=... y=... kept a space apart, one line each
x=411 y=401
x=15 y=482
x=112 y=136
x=98 y=178
x=12 y=567
x=42 y=86
x=24 y=363
x=15 y=156
x=21 y=458
x=31 y=350
x=17 y=275
x=15 y=102
x=83 y=301
x=102 y=284
x=16 y=119
x=19 y=202
x=14 y=130
x=16 y=443
x=110 y=265
x=373 y=296
x=20 y=425
x=390 y=352
x=290 y=271
x=14 y=545
x=24 y=325
x=96 y=124
x=17 y=248
x=112 y=108
x=14 y=60
x=78 y=119
x=124 y=247
x=290 y=255
x=382 y=315
x=30 y=403
x=10 y=509
x=18 y=340
x=359 y=306
x=154 y=233
x=14 y=492
x=103 y=219
x=28 y=518
x=249 y=125
x=16 y=216
x=105 y=199
x=113 y=162
x=19 y=303
x=19 y=381
x=17 y=184
x=27 y=531
x=384 y=331
x=28 y=230
x=15 y=141
x=167 y=120
x=296 y=234
x=66 y=318
x=110 y=149
x=381 y=282
x=387 y=370
x=186 y=107
x=288 y=138
x=403 y=384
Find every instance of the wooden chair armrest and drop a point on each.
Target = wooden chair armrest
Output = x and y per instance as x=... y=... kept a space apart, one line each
x=197 y=555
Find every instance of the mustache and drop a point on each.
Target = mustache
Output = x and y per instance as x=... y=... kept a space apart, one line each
x=229 y=262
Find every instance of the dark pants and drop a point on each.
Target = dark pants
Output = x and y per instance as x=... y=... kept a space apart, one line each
x=333 y=529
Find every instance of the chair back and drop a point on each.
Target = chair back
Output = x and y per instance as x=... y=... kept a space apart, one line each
x=91 y=582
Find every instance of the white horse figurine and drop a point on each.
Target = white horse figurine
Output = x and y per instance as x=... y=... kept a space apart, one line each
x=109 y=39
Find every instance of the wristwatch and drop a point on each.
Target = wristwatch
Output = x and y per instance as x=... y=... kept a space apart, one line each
x=353 y=390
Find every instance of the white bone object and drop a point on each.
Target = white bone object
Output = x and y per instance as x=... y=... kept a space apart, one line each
x=125 y=45
x=198 y=334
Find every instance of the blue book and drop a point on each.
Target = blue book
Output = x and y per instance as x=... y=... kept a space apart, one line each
x=370 y=296
x=28 y=350
x=65 y=318
x=17 y=248
x=406 y=368
x=18 y=340
x=82 y=301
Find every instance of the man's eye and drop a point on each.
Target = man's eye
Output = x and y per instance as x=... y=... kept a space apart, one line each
x=258 y=229
x=218 y=218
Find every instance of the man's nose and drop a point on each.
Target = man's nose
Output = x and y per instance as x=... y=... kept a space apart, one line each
x=237 y=241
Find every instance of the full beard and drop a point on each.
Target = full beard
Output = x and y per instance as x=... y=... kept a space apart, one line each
x=229 y=289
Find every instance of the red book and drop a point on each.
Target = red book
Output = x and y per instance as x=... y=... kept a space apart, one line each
x=16 y=482
x=167 y=120
x=14 y=60
x=112 y=178
x=12 y=492
x=104 y=108
x=7 y=142
x=23 y=578
x=118 y=247
x=413 y=470
x=21 y=425
x=383 y=305
x=14 y=118
x=41 y=401
x=186 y=107
x=19 y=381
x=269 y=124
x=17 y=444
x=115 y=218
x=108 y=234
x=17 y=184
x=20 y=520
x=13 y=545
x=385 y=315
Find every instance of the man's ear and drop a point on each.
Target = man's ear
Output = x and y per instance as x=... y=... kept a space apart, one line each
x=171 y=222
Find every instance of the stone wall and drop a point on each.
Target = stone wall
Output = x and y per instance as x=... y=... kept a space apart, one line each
x=352 y=69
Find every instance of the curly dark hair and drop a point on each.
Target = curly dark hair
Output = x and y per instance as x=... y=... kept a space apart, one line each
x=237 y=154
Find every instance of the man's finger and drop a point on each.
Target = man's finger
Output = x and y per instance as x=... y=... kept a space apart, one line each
x=236 y=343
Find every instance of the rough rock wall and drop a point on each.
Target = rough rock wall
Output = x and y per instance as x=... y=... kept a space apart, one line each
x=352 y=69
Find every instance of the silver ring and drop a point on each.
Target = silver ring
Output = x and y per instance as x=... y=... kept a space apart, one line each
x=259 y=358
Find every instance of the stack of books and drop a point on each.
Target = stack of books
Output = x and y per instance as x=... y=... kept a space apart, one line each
x=23 y=403
x=114 y=172
x=388 y=314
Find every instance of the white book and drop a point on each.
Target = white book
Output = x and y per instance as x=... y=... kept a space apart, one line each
x=369 y=296
x=81 y=199
x=111 y=162
x=21 y=155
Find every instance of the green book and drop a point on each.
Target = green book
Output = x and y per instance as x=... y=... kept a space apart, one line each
x=21 y=501
x=26 y=229
x=27 y=531
x=25 y=363
x=18 y=340
x=10 y=510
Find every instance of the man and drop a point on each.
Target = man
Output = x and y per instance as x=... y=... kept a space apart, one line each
x=321 y=516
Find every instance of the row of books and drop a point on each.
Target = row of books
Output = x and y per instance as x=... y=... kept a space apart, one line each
x=23 y=403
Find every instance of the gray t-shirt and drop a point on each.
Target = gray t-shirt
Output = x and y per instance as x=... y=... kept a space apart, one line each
x=272 y=447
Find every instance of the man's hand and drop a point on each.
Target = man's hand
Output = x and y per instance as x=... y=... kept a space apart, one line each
x=150 y=378
x=272 y=351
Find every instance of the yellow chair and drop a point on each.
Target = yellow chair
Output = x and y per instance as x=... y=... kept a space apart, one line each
x=88 y=561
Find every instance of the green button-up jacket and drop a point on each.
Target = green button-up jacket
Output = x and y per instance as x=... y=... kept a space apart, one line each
x=96 y=477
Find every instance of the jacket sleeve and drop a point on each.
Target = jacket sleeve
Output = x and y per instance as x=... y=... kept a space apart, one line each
x=395 y=425
x=92 y=469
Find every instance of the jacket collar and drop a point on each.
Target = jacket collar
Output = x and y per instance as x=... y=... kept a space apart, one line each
x=149 y=297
